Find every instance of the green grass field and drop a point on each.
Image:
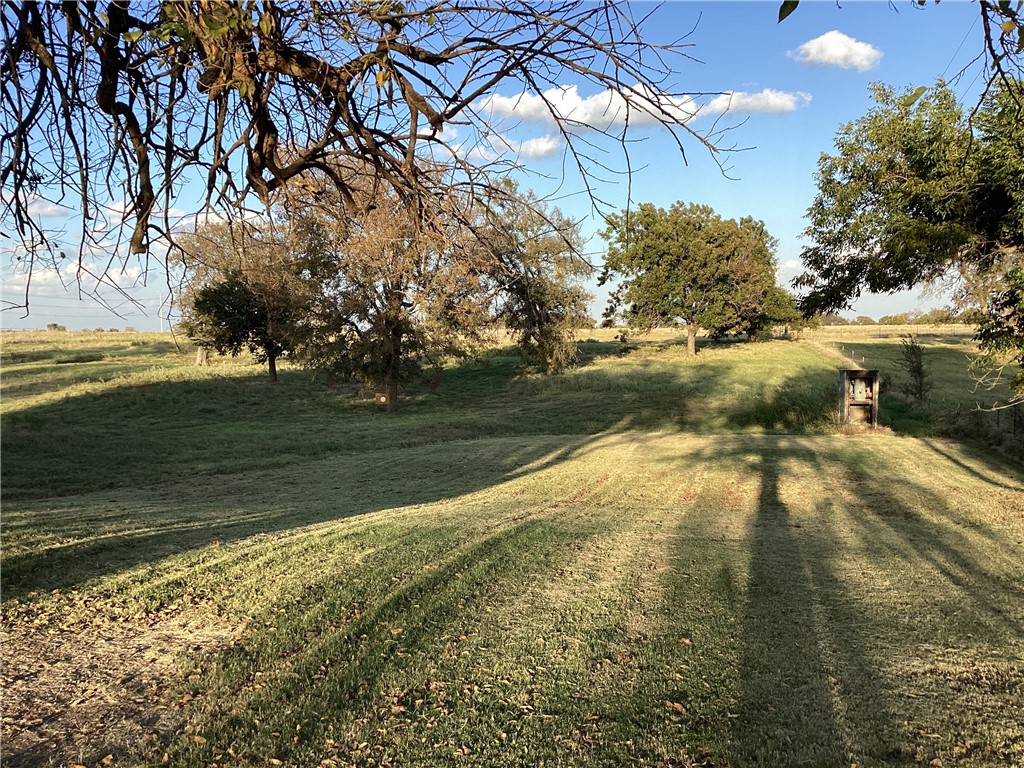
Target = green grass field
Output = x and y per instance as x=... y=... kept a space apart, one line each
x=647 y=561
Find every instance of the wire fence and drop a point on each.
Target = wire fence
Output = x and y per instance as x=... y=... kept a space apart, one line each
x=843 y=332
x=997 y=426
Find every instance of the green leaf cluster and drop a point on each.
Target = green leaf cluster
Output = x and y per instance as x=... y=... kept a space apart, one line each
x=1001 y=332
x=232 y=314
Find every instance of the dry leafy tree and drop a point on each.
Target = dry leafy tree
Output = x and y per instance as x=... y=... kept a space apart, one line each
x=118 y=105
x=390 y=296
x=538 y=273
x=242 y=287
x=364 y=292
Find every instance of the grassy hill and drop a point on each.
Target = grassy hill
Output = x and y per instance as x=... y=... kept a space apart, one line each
x=649 y=561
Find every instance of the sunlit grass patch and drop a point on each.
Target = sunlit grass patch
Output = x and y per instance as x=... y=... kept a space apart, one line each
x=623 y=566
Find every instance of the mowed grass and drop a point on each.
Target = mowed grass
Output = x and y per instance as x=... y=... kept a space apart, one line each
x=648 y=561
x=141 y=419
x=957 y=400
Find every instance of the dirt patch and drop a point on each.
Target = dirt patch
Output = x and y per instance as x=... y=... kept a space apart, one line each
x=76 y=696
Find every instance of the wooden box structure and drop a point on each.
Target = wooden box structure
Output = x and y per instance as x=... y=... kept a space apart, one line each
x=858 y=397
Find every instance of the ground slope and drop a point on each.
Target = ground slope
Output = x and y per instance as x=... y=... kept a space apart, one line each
x=646 y=593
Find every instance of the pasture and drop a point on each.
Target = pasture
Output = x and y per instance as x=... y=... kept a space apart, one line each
x=650 y=560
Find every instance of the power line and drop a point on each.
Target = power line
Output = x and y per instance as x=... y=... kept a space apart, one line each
x=957 y=51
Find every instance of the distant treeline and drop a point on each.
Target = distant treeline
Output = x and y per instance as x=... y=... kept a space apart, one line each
x=941 y=316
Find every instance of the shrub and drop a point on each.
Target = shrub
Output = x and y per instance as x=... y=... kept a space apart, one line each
x=920 y=384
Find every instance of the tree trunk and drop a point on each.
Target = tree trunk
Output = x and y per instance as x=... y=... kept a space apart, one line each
x=202 y=356
x=691 y=339
x=392 y=388
x=272 y=365
x=394 y=371
x=393 y=328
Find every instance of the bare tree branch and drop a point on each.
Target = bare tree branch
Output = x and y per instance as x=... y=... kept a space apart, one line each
x=121 y=101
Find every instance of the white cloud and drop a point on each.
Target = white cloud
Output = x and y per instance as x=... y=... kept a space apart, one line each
x=768 y=100
x=38 y=207
x=609 y=108
x=540 y=147
x=601 y=111
x=44 y=208
x=65 y=275
x=791 y=265
x=496 y=147
x=119 y=208
x=834 y=49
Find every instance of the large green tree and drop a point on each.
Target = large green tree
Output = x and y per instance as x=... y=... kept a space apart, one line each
x=1002 y=335
x=688 y=264
x=921 y=191
x=242 y=287
x=229 y=315
x=914 y=193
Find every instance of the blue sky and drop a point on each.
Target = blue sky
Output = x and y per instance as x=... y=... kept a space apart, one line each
x=791 y=86
x=800 y=81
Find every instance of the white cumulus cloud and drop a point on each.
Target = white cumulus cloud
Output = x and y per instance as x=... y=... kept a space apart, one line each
x=65 y=277
x=834 y=49
x=540 y=147
x=601 y=111
x=44 y=208
x=496 y=147
x=608 y=109
x=768 y=100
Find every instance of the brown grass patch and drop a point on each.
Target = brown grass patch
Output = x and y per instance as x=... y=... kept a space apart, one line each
x=76 y=695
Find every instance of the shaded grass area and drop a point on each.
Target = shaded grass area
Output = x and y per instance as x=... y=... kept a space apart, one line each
x=141 y=425
x=629 y=599
x=623 y=566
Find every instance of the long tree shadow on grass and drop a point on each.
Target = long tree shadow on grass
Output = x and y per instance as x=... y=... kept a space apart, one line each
x=811 y=686
x=948 y=547
x=818 y=682
x=348 y=618
x=172 y=467
x=816 y=671
x=140 y=473
x=809 y=694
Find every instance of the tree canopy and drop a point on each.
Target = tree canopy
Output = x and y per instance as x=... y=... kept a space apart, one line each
x=918 y=191
x=542 y=301
x=1001 y=334
x=390 y=296
x=119 y=101
x=912 y=193
x=242 y=288
x=689 y=264
x=374 y=297
x=229 y=315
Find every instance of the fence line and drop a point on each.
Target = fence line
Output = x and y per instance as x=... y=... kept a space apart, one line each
x=827 y=332
x=1001 y=425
